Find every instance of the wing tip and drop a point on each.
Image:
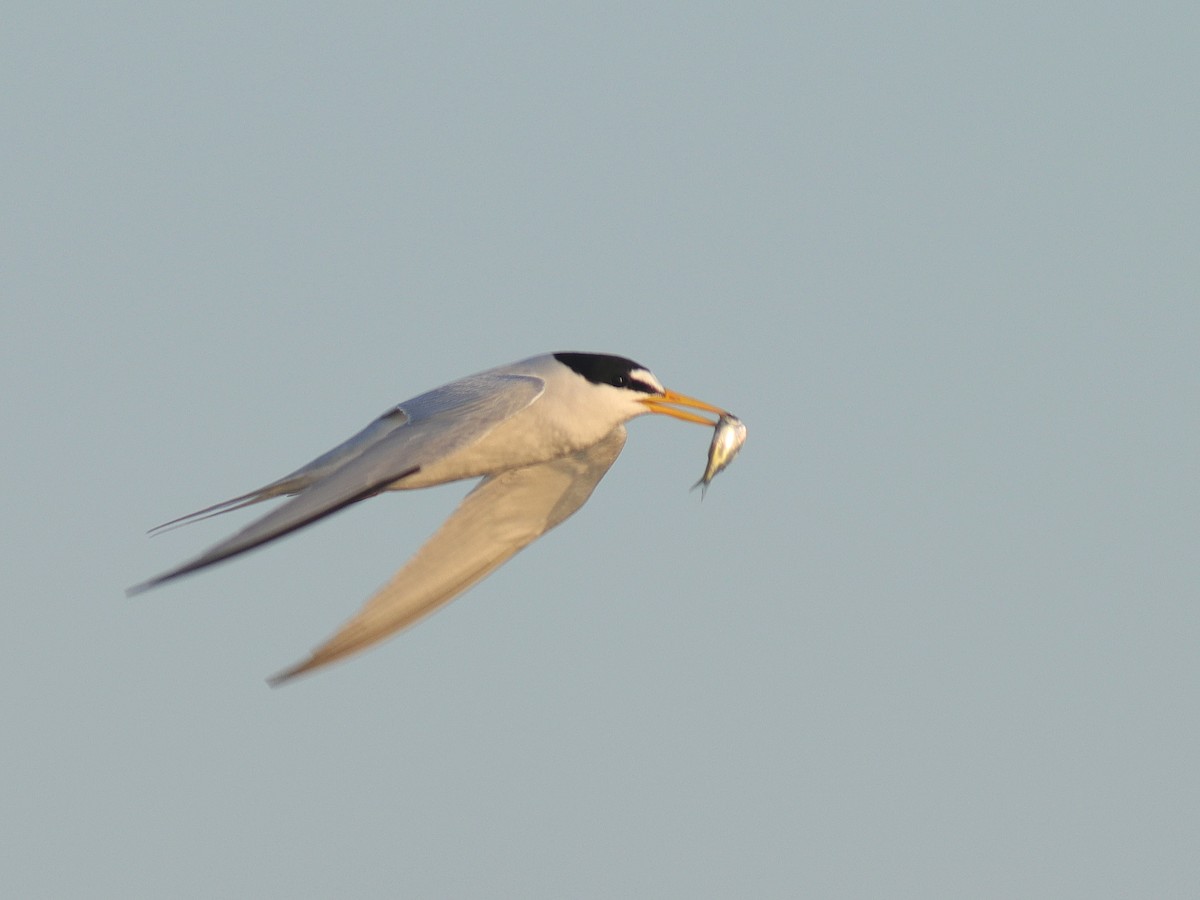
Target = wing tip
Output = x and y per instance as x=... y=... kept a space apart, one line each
x=170 y=575
x=281 y=678
x=150 y=583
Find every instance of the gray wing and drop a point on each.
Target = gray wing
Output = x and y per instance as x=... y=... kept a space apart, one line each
x=503 y=514
x=295 y=482
x=395 y=446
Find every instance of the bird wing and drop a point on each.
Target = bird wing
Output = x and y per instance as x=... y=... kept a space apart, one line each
x=503 y=514
x=434 y=425
x=294 y=482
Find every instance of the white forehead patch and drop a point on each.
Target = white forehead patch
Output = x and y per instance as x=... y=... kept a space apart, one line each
x=645 y=376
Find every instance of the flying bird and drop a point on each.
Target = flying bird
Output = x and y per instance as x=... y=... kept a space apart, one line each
x=541 y=433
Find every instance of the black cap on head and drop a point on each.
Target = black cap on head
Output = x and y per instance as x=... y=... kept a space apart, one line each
x=602 y=368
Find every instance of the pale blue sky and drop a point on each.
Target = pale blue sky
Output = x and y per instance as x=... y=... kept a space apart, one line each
x=934 y=634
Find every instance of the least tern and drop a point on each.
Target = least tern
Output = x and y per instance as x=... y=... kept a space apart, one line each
x=541 y=433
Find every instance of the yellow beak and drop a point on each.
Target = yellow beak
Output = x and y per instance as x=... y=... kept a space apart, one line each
x=658 y=404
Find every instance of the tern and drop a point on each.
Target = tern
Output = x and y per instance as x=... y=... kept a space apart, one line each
x=541 y=433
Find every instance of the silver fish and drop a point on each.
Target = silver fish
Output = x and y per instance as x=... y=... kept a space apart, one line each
x=728 y=438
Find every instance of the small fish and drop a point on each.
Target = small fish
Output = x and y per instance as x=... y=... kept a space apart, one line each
x=728 y=438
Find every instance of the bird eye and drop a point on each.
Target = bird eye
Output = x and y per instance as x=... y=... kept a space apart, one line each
x=620 y=381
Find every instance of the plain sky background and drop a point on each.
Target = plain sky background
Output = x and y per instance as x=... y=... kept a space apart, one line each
x=935 y=634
